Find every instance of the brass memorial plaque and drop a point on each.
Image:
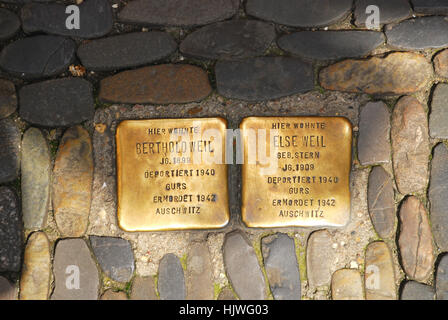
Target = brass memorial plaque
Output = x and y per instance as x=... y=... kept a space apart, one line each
x=171 y=174
x=296 y=171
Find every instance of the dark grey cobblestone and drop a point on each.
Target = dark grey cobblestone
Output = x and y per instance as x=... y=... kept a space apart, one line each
x=96 y=19
x=40 y=103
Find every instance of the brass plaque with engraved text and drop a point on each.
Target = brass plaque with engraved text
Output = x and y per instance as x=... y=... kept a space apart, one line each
x=171 y=174
x=296 y=171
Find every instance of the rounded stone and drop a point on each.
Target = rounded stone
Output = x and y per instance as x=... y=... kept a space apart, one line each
x=419 y=34
x=199 y=273
x=112 y=295
x=9 y=24
x=171 y=281
x=178 y=12
x=7 y=290
x=226 y=294
x=38 y=56
x=282 y=269
x=410 y=145
x=126 y=50
x=8 y=98
x=75 y=273
x=263 y=78
x=320 y=258
x=161 y=84
x=374 y=134
x=415 y=240
x=438 y=117
x=10 y=231
x=96 y=19
x=242 y=267
x=72 y=182
x=35 y=279
x=229 y=40
x=114 y=256
x=346 y=284
x=35 y=179
x=398 y=73
x=379 y=276
x=10 y=138
x=300 y=13
x=438 y=194
x=413 y=290
x=143 y=289
x=331 y=45
x=435 y=7
x=381 y=202
x=57 y=103
x=390 y=11
x=441 y=63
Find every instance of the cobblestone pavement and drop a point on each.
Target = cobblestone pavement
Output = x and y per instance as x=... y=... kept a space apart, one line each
x=64 y=91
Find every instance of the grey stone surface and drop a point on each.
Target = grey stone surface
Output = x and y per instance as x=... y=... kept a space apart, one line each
x=320 y=258
x=8 y=98
x=114 y=256
x=171 y=281
x=282 y=269
x=178 y=12
x=10 y=145
x=9 y=24
x=35 y=178
x=390 y=10
x=57 y=103
x=38 y=56
x=199 y=273
x=441 y=63
x=263 y=78
x=300 y=13
x=229 y=40
x=11 y=237
x=438 y=194
x=126 y=50
x=73 y=261
x=419 y=34
x=441 y=278
x=331 y=45
x=96 y=19
x=379 y=275
x=112 y=295
x=415 y=240
x=346 y=284
x=25 y=1
x=438 y=118
x=374 y=134
x=381 y=202
x=7 y=290
x=436 y=7
x=242 y=267
x=413 y=290
x=143 y=289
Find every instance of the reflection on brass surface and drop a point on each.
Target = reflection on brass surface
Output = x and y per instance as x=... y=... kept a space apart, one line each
x=165 y=178
x=309 y=183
